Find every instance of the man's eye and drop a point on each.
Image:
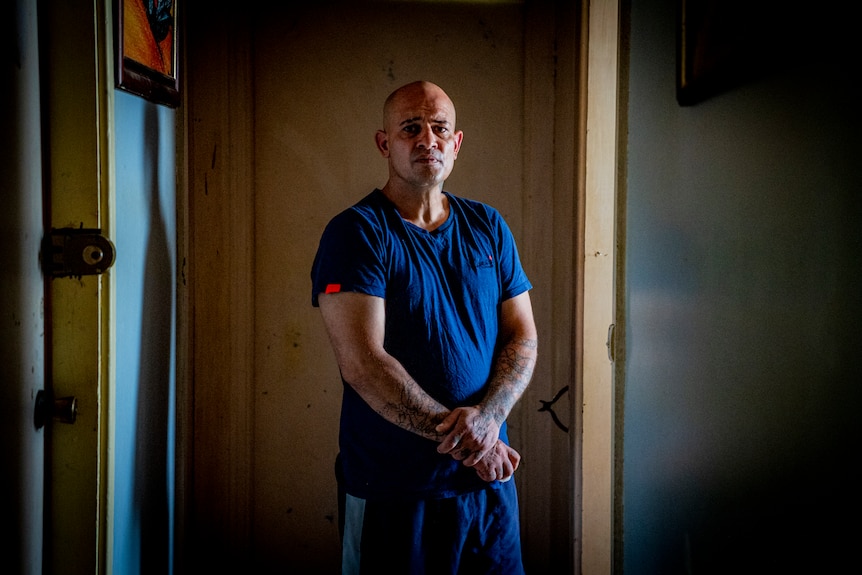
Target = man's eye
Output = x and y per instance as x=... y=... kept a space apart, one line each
x=411 y=129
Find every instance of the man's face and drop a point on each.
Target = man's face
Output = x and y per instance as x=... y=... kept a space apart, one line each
x=419 y=137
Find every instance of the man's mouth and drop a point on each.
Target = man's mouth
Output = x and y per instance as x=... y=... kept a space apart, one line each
x=428 y=159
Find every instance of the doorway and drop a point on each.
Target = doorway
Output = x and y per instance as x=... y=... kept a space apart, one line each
x=281 y=111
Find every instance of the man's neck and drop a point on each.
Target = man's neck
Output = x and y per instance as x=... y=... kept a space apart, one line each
x=427 y=209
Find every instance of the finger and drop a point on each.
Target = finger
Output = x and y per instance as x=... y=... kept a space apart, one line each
x=491 y=467
x=508 y=470
x=475 y=458
x=448 y=422
x=514 y=459
x=461 y=455
x=449 y=443
x=488 y=475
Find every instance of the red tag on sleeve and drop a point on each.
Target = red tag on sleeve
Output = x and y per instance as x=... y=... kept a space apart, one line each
x=333 y=288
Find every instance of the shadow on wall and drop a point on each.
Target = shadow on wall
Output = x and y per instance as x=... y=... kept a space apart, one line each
x=151 y=450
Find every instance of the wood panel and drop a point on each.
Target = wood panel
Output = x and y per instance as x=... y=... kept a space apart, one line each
x=599 y=199
x=220 y=289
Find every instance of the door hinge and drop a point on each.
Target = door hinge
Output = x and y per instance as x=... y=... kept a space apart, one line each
x=611 y=343
x=76 y=252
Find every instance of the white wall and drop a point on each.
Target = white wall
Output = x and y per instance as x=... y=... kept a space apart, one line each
x=742 y=283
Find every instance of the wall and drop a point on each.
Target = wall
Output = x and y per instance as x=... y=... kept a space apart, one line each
x=144 y=400
x=741 y=285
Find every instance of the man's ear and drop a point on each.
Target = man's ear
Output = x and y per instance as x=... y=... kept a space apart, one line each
x=382 y=142
x=459 y=137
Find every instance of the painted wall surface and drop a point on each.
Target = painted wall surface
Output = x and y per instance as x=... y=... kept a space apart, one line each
x=144 y=403
x=743 y=274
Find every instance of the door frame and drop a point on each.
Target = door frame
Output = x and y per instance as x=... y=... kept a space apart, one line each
x=598 y=262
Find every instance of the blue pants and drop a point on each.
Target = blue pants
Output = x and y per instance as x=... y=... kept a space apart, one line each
x=473 y=534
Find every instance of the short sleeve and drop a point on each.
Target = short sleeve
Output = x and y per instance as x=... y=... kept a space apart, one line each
x=349 y=258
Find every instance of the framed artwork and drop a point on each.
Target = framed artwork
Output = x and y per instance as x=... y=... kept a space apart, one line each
x=705 y=49
x=723 y=44
x=145 y=36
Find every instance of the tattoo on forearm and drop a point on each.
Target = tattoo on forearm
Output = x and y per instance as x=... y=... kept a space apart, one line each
x=513 y=371
x=518 y=359
x=416 y=412
x=413 y=414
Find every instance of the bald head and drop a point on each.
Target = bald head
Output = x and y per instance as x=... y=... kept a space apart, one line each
x=418 y=91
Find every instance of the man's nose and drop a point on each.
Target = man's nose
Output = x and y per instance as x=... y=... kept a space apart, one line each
x=427 y=138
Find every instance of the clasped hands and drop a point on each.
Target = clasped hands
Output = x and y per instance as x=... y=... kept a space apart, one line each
x=474 y=439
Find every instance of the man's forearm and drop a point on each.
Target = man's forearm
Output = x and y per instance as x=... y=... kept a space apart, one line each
x=510 y=377
x=415 y=411
x=355 y=324
x=389 y=390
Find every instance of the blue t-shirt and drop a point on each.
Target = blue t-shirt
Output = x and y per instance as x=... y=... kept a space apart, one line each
x=443 y=290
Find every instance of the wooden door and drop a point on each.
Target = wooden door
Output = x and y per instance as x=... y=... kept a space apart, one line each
x=77 y=309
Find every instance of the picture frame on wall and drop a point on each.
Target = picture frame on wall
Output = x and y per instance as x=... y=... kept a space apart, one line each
x=724 y=44
x=145 y=37
x=707 y=46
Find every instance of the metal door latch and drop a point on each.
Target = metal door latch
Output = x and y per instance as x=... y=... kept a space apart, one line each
x=76 y=252
x=63 y=409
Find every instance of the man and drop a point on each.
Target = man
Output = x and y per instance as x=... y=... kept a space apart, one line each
x=427 y=308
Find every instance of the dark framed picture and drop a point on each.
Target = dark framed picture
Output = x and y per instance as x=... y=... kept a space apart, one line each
x=145 y=36
x=723 y=44
x=705 y=50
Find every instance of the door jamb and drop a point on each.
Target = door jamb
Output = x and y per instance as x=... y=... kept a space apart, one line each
x=598 y=181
